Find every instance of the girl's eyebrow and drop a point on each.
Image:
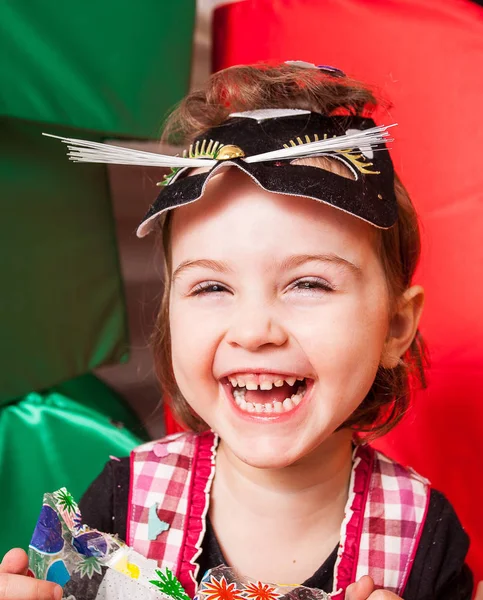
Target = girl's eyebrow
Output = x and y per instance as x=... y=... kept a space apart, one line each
x=288 y=263
x=298 y=259
x=215 y=265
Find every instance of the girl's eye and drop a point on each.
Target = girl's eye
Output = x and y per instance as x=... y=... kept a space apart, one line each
x=208 y=287
x=309 y=285
x=312 y=285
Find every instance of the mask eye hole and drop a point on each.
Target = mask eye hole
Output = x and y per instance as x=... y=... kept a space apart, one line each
x=188 y=172
x=195 y=171
x=178 y=174
x=334 y=165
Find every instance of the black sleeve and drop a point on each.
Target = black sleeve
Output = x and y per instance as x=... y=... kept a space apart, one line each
x=439 y=571
x=104 y=504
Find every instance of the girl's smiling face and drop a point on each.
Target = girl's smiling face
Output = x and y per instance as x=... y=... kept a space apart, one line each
x=267 y=288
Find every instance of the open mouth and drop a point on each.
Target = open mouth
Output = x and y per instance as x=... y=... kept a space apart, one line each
x=266 y=394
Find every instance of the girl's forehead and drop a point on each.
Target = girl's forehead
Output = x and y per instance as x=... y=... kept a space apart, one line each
x=237 y=214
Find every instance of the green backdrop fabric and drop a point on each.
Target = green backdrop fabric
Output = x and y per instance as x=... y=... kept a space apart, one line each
x=94 y=394
x=114 y=66
x=62 y=310
x=86 y=69
x=79 y=69
x=49 y=440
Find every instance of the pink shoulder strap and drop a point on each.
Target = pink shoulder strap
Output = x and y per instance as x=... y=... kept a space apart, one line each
x=168 y=501
x=384 y=519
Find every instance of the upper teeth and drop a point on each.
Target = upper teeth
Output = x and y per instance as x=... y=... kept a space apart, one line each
x=251 y=383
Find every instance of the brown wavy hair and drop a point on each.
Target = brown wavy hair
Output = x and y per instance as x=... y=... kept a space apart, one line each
x=286 y=86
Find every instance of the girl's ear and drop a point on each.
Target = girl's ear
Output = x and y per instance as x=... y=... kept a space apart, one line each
x=403 y=326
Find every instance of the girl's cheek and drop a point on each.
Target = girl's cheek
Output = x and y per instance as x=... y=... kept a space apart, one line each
x=193 y=341
x=194 y=330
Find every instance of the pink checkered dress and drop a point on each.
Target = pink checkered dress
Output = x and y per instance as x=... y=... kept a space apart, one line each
x=170 y=493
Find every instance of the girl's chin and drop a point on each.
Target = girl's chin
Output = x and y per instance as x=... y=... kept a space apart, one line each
x=264 y=458
x=269 y=462
x=271 y=451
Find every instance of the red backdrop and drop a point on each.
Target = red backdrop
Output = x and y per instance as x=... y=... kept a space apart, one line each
x=427 y=58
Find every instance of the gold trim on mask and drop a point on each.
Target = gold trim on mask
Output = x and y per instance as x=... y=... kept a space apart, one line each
x=358 y=160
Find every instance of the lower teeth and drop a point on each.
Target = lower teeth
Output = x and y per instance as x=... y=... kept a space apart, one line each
x=273 y=407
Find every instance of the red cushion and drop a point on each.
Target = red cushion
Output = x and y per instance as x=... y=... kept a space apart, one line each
x=427 y=57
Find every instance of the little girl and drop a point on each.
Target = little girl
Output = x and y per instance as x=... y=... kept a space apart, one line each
x=289 y=325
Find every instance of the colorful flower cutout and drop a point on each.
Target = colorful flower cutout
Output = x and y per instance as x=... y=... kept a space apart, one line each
x=88 y=566
x=260 y=591
x=168 y=583
x=220 y=589
x=66 y=500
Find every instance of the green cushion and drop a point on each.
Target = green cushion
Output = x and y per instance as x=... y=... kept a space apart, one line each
x=62 y=309
x=51 y=440
x=114 y=66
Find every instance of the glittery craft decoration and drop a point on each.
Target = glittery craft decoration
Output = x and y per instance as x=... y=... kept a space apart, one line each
x=90 y=564
x=223 y=583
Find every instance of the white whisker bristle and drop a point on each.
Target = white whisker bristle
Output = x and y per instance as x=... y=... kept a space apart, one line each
x=367 y=137
x=97 y=152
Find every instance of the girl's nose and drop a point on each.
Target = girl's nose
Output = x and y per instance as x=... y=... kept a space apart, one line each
x=254 y=327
